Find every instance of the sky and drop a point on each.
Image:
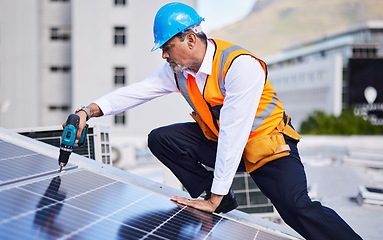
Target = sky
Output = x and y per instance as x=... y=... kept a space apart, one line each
x=219 y=13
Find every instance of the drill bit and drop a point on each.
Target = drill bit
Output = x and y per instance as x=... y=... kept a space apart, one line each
x=61 y=167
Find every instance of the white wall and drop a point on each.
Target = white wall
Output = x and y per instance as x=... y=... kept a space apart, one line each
x=19 y=63
x=308 y=87
x=94 y=57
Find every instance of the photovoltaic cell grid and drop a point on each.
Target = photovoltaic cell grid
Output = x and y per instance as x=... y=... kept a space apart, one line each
x=18 y=164
x=80 y=204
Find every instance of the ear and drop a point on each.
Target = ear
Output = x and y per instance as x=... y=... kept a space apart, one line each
x=191 y=39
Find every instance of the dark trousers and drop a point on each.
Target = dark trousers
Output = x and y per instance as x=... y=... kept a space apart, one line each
x=183 y=147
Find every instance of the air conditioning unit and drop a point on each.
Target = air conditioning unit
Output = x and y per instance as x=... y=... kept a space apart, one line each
x=96 y=146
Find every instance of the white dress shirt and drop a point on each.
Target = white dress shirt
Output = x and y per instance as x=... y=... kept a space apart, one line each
x=243 y=83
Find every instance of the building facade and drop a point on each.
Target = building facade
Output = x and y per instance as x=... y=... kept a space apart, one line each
x=318 y=75
x=56 y=55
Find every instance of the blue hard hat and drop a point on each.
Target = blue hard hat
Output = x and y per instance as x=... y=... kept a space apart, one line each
x=172 y=19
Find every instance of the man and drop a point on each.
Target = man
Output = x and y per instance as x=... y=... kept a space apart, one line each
x=240 y=125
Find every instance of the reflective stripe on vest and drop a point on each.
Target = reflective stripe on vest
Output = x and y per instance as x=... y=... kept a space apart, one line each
x=269 y=104
x=182 y=83
x=224 y=56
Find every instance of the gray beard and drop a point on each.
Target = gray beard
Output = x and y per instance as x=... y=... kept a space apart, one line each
x=178 y=68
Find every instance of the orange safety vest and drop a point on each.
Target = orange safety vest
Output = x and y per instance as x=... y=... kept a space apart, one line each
x=207 y=106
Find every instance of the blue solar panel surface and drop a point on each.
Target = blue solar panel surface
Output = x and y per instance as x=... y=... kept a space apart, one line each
x=36 y=202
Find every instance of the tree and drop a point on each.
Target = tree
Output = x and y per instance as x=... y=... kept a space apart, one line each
x=319 y=123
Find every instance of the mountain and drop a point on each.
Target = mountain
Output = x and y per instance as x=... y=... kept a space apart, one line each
x=274 y=25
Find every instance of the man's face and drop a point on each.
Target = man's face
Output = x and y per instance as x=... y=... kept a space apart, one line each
x=176 y=54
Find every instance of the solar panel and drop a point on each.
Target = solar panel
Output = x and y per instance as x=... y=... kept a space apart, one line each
x=29 y=164
x=36 y=202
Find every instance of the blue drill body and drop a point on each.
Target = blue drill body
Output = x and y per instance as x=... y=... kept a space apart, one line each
x=68 y=139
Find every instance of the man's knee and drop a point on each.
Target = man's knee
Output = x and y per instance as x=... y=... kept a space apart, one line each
x=154 y=137
x=303 y=204
x=160 y=137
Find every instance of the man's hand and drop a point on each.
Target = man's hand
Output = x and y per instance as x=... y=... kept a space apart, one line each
x=81 y=124
x=95 y=111
x=209 y=205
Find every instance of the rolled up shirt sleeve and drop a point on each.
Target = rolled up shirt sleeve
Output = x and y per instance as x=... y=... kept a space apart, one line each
x=244 y=85
x=160 y=83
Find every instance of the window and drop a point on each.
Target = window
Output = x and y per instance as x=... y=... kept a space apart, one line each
x=119 y=76
x=120 y=119
x=59 y=108
x=66 y=69
x=57 y=69
x=119 y=36
x=364 y=52
x=119 y=2
x=323 y=54
x=54 y=69
x=60 y=33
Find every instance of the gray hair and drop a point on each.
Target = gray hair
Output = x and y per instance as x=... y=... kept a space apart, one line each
x=196 y=29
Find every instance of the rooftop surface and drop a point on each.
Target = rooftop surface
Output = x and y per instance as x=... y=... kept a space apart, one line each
x=337 y=166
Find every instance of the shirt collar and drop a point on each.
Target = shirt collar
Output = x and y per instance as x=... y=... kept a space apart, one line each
x=207 y=62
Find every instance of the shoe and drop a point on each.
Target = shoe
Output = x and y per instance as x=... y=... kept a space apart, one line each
x=228 y=203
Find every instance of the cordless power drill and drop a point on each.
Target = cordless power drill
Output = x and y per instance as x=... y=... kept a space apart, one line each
x=68 y=139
